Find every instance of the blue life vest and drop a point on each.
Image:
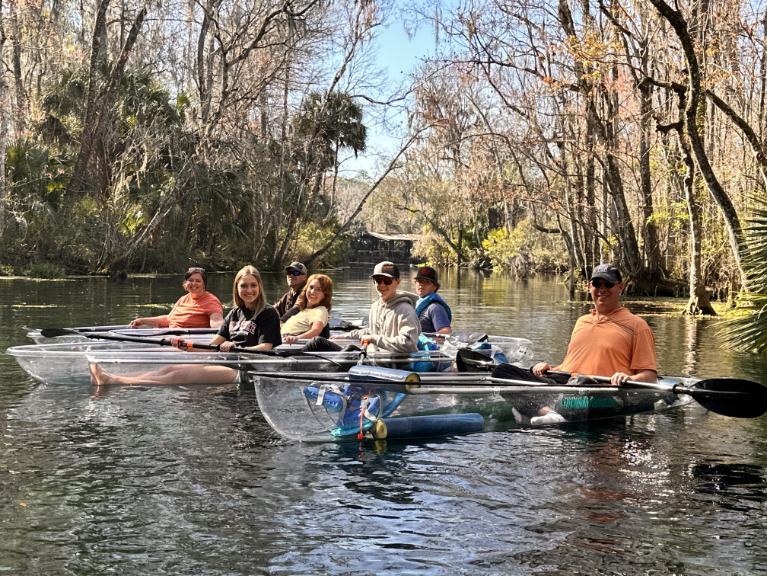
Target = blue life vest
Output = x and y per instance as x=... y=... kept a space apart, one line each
x=424 y=302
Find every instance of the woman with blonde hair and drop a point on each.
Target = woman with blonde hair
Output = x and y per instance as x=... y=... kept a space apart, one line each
x=314 y=304
x=252 y=324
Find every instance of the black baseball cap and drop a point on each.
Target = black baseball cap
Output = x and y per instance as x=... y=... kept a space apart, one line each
x=297 y=266
x=428 y=274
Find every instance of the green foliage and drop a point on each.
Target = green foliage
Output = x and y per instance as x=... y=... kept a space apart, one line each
x=158 y=195
x=749 y=333
x=325 y=124
x=433 y=249
x=312 y=236
x=45 y=270
x=502 y=246
x=523 y=249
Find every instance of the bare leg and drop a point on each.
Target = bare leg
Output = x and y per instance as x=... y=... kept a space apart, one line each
x=100 y=376
x=181 y=374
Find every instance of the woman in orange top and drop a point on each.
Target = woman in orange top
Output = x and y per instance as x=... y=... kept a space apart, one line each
x=196 y=309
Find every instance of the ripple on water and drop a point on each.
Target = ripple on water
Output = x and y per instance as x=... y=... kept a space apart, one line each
x=182 y=480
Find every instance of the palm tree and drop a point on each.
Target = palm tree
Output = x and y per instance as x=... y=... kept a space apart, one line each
x=750 y=332
x=326 y=124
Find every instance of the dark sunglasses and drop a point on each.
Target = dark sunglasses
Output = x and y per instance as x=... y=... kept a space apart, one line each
x=598 y=283
x=295 y=273
x=382 y=280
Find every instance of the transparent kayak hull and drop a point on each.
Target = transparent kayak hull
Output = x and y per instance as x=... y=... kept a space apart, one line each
x=290 y=403
x=66 y=362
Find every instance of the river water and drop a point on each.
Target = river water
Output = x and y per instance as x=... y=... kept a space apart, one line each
x=191 y=480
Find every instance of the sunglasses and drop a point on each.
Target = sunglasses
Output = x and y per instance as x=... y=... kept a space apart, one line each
x=599 y=283
x=295 y=273
x=382 y=280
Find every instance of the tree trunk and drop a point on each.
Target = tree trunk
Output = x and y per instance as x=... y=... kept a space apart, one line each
x=605 y=134
x=102 y=92
x=653 y=257
x=20 y=107
x=694 y=122
x=698 y=303
x=3 y=128
x=96 y=82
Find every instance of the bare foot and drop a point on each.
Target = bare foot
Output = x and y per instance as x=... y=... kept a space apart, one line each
x=98 y=375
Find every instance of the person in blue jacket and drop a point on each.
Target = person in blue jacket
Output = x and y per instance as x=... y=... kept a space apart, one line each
x=433 y=312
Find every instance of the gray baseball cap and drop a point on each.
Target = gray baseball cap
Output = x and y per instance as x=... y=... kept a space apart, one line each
x=386 y=268
x=607 y=272
x=297 y=266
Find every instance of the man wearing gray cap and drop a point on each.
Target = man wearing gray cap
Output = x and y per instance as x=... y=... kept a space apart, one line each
x=608 y=341
x=296 y=274
x=392 y=322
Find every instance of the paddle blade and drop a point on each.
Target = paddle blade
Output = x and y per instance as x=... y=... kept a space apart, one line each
x=471 y=361
x=55 y=332
x=730 y=397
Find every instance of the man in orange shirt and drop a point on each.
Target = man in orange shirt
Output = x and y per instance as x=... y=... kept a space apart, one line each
x=609 y=341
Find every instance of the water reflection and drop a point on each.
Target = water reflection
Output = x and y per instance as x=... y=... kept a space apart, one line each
x=730 y=482
x=184 y=480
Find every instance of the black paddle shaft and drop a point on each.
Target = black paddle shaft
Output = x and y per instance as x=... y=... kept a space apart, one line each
x=726 y=396
x=53 y=332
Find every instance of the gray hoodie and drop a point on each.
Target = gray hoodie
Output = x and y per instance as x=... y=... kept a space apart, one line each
x=392 y=325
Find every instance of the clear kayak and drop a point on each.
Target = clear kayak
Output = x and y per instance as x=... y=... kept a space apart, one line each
x=67 y=361
x=369 y=402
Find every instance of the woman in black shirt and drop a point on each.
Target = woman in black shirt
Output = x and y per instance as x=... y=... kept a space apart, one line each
x=251 y=324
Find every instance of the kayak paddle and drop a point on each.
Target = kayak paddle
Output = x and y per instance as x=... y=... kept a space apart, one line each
x=81 y=330
x=733 y=397
x=174 y=342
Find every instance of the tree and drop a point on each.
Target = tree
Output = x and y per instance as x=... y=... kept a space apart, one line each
x=694 y=122
x=749 y=333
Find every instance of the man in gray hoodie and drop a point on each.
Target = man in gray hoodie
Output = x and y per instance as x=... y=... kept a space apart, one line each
x=392 y=322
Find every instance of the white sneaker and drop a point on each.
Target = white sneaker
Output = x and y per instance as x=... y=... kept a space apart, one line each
x=518 y=418
x=549 y=418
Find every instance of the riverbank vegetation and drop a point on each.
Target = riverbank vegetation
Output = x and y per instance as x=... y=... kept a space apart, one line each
x=542 y=137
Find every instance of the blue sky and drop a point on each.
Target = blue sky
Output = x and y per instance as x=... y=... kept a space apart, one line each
x=398 y=54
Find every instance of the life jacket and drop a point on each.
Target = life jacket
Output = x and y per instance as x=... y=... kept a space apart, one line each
x=424 y=302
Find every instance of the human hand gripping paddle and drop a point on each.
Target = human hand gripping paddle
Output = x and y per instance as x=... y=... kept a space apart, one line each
x=733 y=397
x=365 y=342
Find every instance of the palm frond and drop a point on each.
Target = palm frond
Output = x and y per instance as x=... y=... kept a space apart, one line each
x=749 y=333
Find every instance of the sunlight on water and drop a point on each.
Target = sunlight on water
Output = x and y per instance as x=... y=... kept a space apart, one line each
x=191 y=480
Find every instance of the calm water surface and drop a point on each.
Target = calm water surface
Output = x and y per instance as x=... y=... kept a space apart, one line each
x=191 y=480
